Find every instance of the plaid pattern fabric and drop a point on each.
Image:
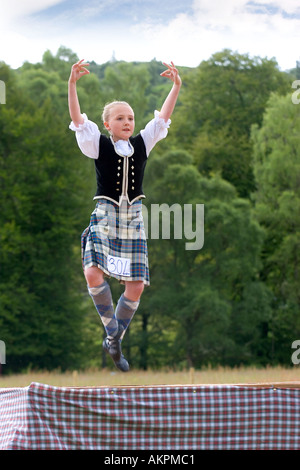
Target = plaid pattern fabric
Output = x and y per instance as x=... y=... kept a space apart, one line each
x=13 y=417
x=42 y=417
x=117 y=231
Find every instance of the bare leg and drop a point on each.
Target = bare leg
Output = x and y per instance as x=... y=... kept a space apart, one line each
x=134 y=290
x=94 y=276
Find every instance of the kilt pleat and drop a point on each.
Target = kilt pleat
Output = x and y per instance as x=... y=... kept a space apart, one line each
x=115 y=241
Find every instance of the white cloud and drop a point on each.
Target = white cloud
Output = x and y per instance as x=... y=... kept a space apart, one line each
x=264 y=28
x=13 y=9
x=234 y=24
x=17 y=31
x=17 y=39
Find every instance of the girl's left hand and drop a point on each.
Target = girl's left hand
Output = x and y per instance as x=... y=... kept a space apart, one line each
x=172 y=73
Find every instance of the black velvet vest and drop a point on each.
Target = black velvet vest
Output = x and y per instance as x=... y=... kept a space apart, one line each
x=118 y=175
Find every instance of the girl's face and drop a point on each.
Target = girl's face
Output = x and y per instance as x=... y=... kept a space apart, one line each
x=121 y=122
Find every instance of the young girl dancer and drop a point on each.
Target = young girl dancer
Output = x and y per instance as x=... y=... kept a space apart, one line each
x=114 y=244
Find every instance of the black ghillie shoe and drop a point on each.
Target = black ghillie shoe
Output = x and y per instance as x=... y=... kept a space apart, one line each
x=113 y=348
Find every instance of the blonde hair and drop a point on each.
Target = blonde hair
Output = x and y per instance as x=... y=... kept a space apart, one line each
x=107 y=108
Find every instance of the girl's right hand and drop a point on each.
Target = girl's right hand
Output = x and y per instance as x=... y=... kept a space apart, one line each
x=172 y=73
x=78 y=70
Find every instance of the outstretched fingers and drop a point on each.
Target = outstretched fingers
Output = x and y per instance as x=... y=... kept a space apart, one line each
x=171 y=72
x=80 y=69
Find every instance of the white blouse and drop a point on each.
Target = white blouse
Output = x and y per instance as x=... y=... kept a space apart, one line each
x=88 y=135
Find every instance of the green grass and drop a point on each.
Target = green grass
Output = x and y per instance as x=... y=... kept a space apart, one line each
x=96 y=378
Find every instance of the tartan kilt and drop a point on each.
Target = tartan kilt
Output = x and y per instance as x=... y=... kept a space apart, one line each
x=115 y=241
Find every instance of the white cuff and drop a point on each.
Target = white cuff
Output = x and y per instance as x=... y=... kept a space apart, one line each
x=81 y=126
x=160 y=121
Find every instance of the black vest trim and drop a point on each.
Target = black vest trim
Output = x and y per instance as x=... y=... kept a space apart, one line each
x=118 y=175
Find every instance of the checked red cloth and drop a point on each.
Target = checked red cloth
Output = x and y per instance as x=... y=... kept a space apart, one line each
x=43 y=417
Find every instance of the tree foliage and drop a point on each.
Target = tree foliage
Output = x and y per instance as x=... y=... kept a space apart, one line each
x=40 y=219
x=221 y=99
x=277 y=170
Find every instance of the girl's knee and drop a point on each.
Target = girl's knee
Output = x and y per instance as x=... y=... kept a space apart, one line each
x=94 y=276
x=134 y=290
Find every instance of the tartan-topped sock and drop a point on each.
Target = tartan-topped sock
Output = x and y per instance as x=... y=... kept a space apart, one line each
x=102 y=299
x=125 y=310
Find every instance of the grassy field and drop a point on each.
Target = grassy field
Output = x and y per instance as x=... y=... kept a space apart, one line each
x=141 y=378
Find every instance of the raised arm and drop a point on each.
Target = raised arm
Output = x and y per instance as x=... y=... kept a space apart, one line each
x=170 y=101
x=77 y=71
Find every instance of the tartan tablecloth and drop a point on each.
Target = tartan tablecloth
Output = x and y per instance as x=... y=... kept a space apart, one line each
x=43 y=417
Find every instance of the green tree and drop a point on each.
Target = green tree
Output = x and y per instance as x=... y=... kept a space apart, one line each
x=40 y=219
x=220 y=101
x=201 y=308
x=277 y=205
x=138 y=83
x=126 y=83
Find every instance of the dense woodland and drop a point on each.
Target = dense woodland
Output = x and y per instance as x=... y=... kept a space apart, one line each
x=233 y=145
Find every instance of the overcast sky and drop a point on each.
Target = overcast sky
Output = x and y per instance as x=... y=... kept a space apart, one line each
x=185 y=31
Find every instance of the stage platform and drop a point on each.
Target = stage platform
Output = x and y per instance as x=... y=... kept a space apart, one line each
x=178 y=417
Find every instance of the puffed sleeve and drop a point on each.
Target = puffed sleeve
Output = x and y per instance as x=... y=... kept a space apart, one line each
x=155 y=130
x=87 y=136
